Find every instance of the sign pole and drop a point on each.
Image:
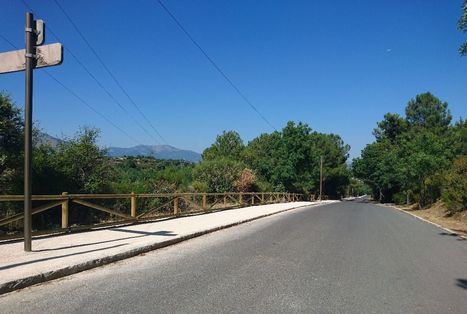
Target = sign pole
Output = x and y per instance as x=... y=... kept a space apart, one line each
x=30 y=60
x=27 y=60
x=321 y=179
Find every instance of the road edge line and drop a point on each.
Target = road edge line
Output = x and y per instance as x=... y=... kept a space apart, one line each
x=426 y=220
x=70 y=270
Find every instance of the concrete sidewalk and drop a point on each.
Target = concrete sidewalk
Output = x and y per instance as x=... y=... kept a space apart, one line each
x=55 y=257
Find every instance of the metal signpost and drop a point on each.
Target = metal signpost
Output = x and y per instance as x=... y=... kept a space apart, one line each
x=321 y=179
x=26 y=60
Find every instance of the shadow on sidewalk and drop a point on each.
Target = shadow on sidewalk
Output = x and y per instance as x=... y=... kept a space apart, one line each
x=146 y=233
x=60 y=256
x=462 y=283
x=142 y=234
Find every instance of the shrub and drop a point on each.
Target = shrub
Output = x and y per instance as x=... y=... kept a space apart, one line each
x=219 y=175
x=400 y=198
x=246 y=181
x=454 y=192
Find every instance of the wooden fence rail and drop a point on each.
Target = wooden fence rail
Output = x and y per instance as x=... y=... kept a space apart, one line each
x=140 y=207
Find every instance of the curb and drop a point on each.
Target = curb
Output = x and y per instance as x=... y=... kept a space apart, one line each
x=425 y=220
x=66 y=271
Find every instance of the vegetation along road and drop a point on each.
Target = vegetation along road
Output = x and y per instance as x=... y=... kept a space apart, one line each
x=348 y=256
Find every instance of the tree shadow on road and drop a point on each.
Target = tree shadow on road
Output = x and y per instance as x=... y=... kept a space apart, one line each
x=452 y=235
x=462 y=283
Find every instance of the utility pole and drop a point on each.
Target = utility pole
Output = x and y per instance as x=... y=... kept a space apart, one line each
x=29 y=55
x=321 y=180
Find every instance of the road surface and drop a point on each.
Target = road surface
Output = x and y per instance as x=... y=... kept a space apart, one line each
x=344 y=257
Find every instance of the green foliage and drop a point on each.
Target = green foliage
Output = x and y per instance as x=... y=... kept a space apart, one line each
x=455 y=186
x=290 y=160
x=390 y=128
x=227 y=145
x=84 y=163
x=422 y=155
x=378 y=167
x=358 y=187
x=410 y=154
x=281 y=161
x=219 y=175
x=11 y=145
x=428 y=111
x=462 y=26
x=150 y=175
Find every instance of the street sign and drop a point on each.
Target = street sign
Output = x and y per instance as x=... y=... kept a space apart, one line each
x=40 y=32
x=46 y=56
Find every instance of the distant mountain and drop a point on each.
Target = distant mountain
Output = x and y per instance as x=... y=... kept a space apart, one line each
x=157 y=151
x=46 y=139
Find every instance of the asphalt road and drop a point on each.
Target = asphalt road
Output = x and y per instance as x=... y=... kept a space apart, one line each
x=344 y=257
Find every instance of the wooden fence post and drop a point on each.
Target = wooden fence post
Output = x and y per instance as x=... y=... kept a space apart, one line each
x=176 y=211
x=240 y=198
x=65 y=209
x=204 y=201
x=252 y=198
x=134 y=204
x=262 y=198
x=225 y=200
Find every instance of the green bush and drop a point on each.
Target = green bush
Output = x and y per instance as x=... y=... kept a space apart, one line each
x=219 y=175
x=400 y=198
x=454 y=192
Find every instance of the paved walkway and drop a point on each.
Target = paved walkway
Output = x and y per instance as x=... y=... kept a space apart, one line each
x=55 y=257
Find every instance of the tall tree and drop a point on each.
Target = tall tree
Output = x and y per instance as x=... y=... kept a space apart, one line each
x=428 y=111
x=390 y=128
x=227 y=145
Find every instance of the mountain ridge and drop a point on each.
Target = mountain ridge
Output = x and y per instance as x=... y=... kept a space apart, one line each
x=156 y=151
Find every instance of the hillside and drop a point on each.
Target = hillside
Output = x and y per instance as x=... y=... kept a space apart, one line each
x=156 y=151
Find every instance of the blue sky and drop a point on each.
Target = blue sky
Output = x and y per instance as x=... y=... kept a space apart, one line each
x=336 y=65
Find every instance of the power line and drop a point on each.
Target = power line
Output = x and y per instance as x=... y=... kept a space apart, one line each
x=214 y=64
x=8 y=41
x=85 y=68
x=90 y=107
x=108 y=70
x=79 y=97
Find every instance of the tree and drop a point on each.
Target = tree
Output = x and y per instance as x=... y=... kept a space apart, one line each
x=84 y=163
x=227 y=145
x=462 y=26
x=289 y=160
x=422 y=156
x=378 y=166
x=11 y=145
x=428 y=111
x=390 y=128
x=409 y=156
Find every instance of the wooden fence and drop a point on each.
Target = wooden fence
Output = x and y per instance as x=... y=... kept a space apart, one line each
x=141 y=207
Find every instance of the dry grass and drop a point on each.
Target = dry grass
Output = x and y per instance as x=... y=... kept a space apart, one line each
x=437 y=214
